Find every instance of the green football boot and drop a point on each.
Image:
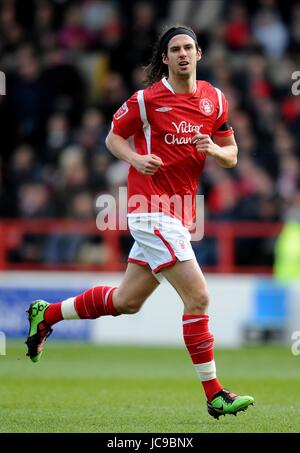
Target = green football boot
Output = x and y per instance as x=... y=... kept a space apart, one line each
x=225 y=402
x=39 y=330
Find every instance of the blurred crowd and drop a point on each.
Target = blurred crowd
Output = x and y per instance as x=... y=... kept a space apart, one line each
x=69 y=65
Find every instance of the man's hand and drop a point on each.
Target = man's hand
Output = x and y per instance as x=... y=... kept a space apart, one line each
x=147 y=164
x=204 y=144
x=224 y=151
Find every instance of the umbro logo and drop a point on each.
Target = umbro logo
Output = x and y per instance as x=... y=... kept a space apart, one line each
x=163 y=109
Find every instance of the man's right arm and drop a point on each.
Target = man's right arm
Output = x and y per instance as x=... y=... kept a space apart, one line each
x=119 y=147
x=146 y=164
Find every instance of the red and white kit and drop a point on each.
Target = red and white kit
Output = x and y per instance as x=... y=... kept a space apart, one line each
x=163 y=123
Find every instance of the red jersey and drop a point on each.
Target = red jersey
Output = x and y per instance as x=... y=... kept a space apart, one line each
x=163 y=122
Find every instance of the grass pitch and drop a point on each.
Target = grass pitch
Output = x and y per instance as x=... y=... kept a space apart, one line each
x=84 y=388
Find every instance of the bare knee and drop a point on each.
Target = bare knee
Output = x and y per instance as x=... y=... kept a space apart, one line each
x=131 y=309
x=197 y=303
x=125 y=305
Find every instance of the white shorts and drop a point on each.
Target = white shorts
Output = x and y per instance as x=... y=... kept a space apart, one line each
x=160 y=240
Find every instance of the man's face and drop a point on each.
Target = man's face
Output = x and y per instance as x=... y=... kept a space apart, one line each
x=182 y=56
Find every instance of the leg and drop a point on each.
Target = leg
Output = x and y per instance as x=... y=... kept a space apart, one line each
x=137 y=285
x=187 y=278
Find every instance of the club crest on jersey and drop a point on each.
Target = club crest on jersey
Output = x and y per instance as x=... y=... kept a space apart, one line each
x=206 y=106
x=122 y=111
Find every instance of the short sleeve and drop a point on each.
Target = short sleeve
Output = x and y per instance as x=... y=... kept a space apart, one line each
x=221 y=126
x=127 y=120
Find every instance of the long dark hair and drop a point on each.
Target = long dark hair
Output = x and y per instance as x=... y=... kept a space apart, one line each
x=156 y=69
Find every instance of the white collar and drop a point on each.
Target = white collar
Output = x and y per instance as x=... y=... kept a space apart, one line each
x=167 y=85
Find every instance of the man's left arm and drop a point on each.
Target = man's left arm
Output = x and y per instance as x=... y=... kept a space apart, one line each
x=223 y=149
x=221 y=145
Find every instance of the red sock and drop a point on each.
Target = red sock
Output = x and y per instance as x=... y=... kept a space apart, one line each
x=199 y=342
x=53 y=313
x=95 y=302
x=91 y=304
